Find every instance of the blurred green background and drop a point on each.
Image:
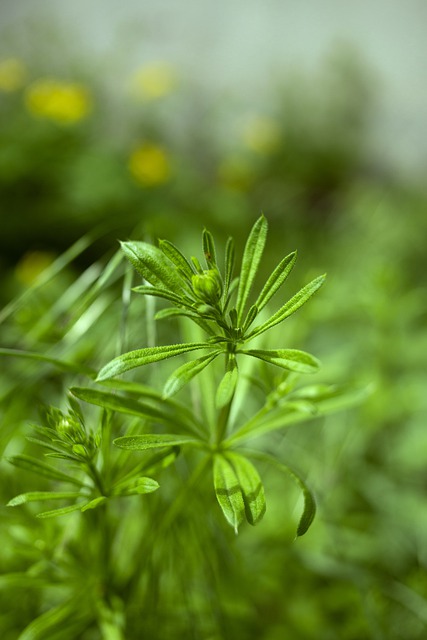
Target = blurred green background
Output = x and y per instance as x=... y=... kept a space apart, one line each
x=109 y=128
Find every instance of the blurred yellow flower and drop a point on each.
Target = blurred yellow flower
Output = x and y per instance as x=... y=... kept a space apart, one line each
x=149 y=164
x=262 y=135
x=31 y=265
x=153 y=81
x=12 y=74
x=63 y=102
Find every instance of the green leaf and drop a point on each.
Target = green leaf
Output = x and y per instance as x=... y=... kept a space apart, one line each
x=138 y=486
x=141 y=357
x=32 y=464
x=67 y=620
x=250 y=263
x=152 y=404
x=152 y=441
x=309 y=509
x=115 y=402
x=55 y=513
x=181 y=376
x=38 y=357
x=208 y=244
x=38 y=496
x=159 y=292
x=290 y=307
x=227 y=386
x=251 y=486
x=94 y=503
x=152 y=265
x=276 y=280
x=250 y=317
x=174 y=312
x=177 y=258
x=228 y=491
x=291 y=359
x=229 y=266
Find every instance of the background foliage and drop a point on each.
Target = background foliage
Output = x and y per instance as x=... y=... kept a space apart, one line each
x=77 y=172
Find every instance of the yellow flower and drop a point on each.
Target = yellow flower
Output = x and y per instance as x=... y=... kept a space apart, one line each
x=12 y=74
x=62 y=102
x=262 y=135
x=153 y=81
x=149 y=164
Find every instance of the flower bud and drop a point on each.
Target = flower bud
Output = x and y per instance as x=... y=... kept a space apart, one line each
x=207 y=286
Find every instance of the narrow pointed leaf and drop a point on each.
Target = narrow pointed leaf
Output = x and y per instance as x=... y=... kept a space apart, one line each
x=181 y=376
x=32 y=464
x=229 y=266
x=290 y=307
x=276 y=280
x=152 y=441
x=152 y=265
x=252 y=487
x=174 y=312
x=55 y=513
x=250 y=263
x=159 y=292
x=38 y=496
x=141 y=357
x=116 y=402
x=250 y=317
x=291 y=359
x=228 y=491
x=94 y=503
x=71 y=617
x=227 y=386
x=177 y=258
x=209 y=248
x=309 y=508
x=138 y=486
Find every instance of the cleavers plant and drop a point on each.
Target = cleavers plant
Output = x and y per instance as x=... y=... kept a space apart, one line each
x=218 y=303
x=150 y=429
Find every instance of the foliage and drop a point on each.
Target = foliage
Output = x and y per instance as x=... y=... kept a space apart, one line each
x=97 y=461
x=176 y=569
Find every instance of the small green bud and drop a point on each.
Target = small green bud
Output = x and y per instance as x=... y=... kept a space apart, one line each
x=207 y=286
x=79 y=450
x=71 y=428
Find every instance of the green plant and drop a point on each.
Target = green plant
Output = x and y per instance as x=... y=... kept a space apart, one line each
x=150 y=430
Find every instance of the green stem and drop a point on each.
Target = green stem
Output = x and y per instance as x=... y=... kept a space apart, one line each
x=224 y=413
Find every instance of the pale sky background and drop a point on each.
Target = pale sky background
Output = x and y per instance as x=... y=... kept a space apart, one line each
x=239 y=47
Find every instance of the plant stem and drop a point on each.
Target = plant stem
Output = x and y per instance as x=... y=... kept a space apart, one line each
x=224 y=413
